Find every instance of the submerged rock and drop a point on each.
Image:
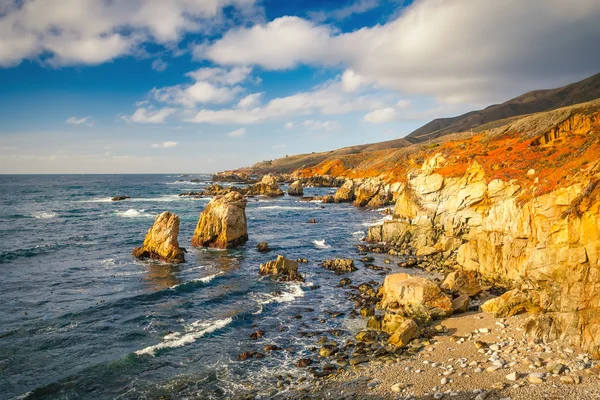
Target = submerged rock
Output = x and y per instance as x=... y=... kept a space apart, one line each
x=296 y=189
x=161 y=240
x=284 y=269
x=119 y=198
x=223 y=223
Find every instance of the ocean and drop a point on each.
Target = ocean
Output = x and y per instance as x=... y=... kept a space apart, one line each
x=81 y=318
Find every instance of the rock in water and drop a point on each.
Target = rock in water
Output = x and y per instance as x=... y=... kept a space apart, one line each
x=161 y=240
x=268 y=186
x=119 y=198
x=263 y=247
x=286 y=270
x=345 y=193
x=340 y=265
x=222 y=224
x=296 y=189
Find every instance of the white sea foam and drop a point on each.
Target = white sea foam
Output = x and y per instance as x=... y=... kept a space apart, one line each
x=378 y=222
x=44 y=215
x=191 y=333
x=358 y=233
x=133 y=213
x=320 y=244
x=292 y=292
x=185 y=183
x=205 y=279
x=283 y=208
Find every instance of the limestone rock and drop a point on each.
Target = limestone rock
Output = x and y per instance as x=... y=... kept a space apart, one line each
x=464 y=282
x=296 y=189
x=268 y=186
x=511 y=303
x=340 y=265
x=223 y=223
x=407 y=331
x=345 y=194
x=415 y=297
x=161 y=240
x=283 y=268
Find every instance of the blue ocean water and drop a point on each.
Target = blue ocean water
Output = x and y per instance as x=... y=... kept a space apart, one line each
x=81 y=318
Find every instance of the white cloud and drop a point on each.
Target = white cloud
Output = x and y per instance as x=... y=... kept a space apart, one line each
x=94 y=31
x=150 y=116
x=250 y=101
x=321 y=125
x=237 y=133
x=289 y=125
x=141 y=103
x=221 y=76
x=501 y=48
x=80 y=121
x=199 y=92
x=164 y=145
x=329 y=99
x=159 y=65
x=358 y=7
x=351 y=81
x=403 y=103
x=381 y=116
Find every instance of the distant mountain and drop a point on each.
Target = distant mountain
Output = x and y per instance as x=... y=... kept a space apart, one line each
x=528 y=103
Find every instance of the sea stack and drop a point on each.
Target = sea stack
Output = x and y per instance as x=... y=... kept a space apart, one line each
x=223 y=223
x=296 y=189
x=161 y=240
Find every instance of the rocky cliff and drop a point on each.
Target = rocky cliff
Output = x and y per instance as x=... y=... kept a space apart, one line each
x=523 y=213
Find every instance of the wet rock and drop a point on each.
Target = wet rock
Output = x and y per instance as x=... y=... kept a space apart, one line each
x=268 y=186
x=296 y=189
x=345 y=282
x=406 y=331
x=328 y=199
x=246 y=355
x=223 y=223
x=366 y=312
x=120 y=198
x=358 y=360
x=340 y=265
x=312 y=221
x=345 y=193
x=328 y=350
x=285 y=270
x=366 y=336
x=257 y=335
x=263 y=247
x=367 y=259
x=271 y=347
x=161 y=240
x=304 y=362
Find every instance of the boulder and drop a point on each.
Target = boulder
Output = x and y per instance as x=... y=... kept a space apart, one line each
x=512 y=303
x=345 y=194
x=415 y=297
x=366 y=191
x=222 y=224
x=460 y=304
x=263 y=247
x=406 y=331
x=296 y=189
x=328 y=199
x=161 y=240
x=464 y=282
x=268 y=186
x=283 y=268
x=340 y=265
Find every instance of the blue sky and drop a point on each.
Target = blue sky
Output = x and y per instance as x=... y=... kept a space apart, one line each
x=134 y=86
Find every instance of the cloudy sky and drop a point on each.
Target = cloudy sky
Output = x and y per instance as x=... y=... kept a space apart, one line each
x=127 y=86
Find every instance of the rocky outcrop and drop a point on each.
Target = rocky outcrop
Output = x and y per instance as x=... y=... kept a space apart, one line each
x=296 y=189
x=268 y=186
x=345 y=194
x=546 y=246
x=323 y=181
x=223 y=223
x=340 y=265
x=263 y=247
x=414 y=297
x=282 y=268
x=161 y=240
x=228 y=176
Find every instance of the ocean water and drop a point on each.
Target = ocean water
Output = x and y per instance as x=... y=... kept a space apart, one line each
x=81 y=318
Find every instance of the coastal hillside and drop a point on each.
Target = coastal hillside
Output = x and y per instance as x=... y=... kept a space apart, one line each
x=528 y=103
x=473 y=122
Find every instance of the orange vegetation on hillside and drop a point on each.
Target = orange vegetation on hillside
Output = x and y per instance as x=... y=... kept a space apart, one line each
x=556 y=155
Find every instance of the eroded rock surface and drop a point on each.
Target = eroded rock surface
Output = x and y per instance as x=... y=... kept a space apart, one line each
x=282 y=268
x=161 y=240
x=223 y=223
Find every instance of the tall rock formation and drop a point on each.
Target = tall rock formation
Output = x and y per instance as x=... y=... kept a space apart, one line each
x=161 y=240
x=223 y=223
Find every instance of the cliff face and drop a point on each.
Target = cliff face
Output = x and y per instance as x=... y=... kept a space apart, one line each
x=537 y=230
